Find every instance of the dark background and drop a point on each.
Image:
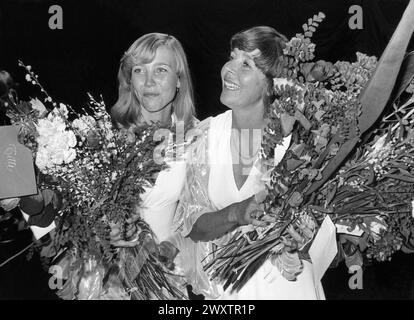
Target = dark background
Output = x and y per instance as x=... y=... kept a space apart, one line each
x=84 y=57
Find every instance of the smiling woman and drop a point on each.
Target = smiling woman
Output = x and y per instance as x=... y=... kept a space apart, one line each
x=257 y=49
x=243 y=82
x=223 y=196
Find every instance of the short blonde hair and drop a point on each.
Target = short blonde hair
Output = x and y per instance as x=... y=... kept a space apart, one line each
x=126 y=111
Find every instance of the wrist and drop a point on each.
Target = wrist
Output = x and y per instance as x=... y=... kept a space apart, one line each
x=232 y=216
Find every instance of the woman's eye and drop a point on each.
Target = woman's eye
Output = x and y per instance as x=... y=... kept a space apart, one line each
x=161 y=70
x=246 y=64
x=138 y=70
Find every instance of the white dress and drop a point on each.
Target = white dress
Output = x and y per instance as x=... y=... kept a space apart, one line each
x=267 y=282
x=160 y=201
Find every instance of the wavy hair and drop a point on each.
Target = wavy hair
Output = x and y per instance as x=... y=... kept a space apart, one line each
x=126 y=112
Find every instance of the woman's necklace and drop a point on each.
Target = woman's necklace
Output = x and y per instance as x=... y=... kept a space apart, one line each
x=235 y=143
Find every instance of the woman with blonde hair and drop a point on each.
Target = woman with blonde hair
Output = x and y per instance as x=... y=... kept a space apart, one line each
x=154 y=83
x=155 y=86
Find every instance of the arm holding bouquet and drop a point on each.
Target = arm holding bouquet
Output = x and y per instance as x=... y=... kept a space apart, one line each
x=107 y=250
x=218 y=207
x=213 y=225
x=329 y=109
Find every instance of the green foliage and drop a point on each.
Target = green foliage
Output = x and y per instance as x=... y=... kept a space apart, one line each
x=319 y=106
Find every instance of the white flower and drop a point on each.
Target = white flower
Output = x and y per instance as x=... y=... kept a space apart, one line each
x=41 y=159
x=71 y=139
x=55 y=142
x=57 y=157
x=380 y=150
x=376 y=228
x=28 y=78
x=109 y=135
x=379 y=144
x=39 y=106
x=108 y=125
x=69 y=155
x=63 y=110
x=50 y=128
x=412 y=208
x=84 y=124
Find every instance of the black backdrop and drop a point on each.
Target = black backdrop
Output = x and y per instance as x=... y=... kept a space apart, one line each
x=84 y=56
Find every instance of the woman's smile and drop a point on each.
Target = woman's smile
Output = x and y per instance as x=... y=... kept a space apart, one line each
x=243 y=83
x=230 y=85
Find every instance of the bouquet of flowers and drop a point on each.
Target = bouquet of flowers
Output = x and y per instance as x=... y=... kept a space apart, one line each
x=90 y=177
x=369 y=198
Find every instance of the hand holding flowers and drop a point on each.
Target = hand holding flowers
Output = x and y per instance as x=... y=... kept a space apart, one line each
x=100 y=172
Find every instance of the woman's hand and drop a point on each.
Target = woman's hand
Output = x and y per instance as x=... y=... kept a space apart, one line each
x=167 y=254
x=215 y=224
x=131 y=238
x=165 y=250
x=249 y=212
